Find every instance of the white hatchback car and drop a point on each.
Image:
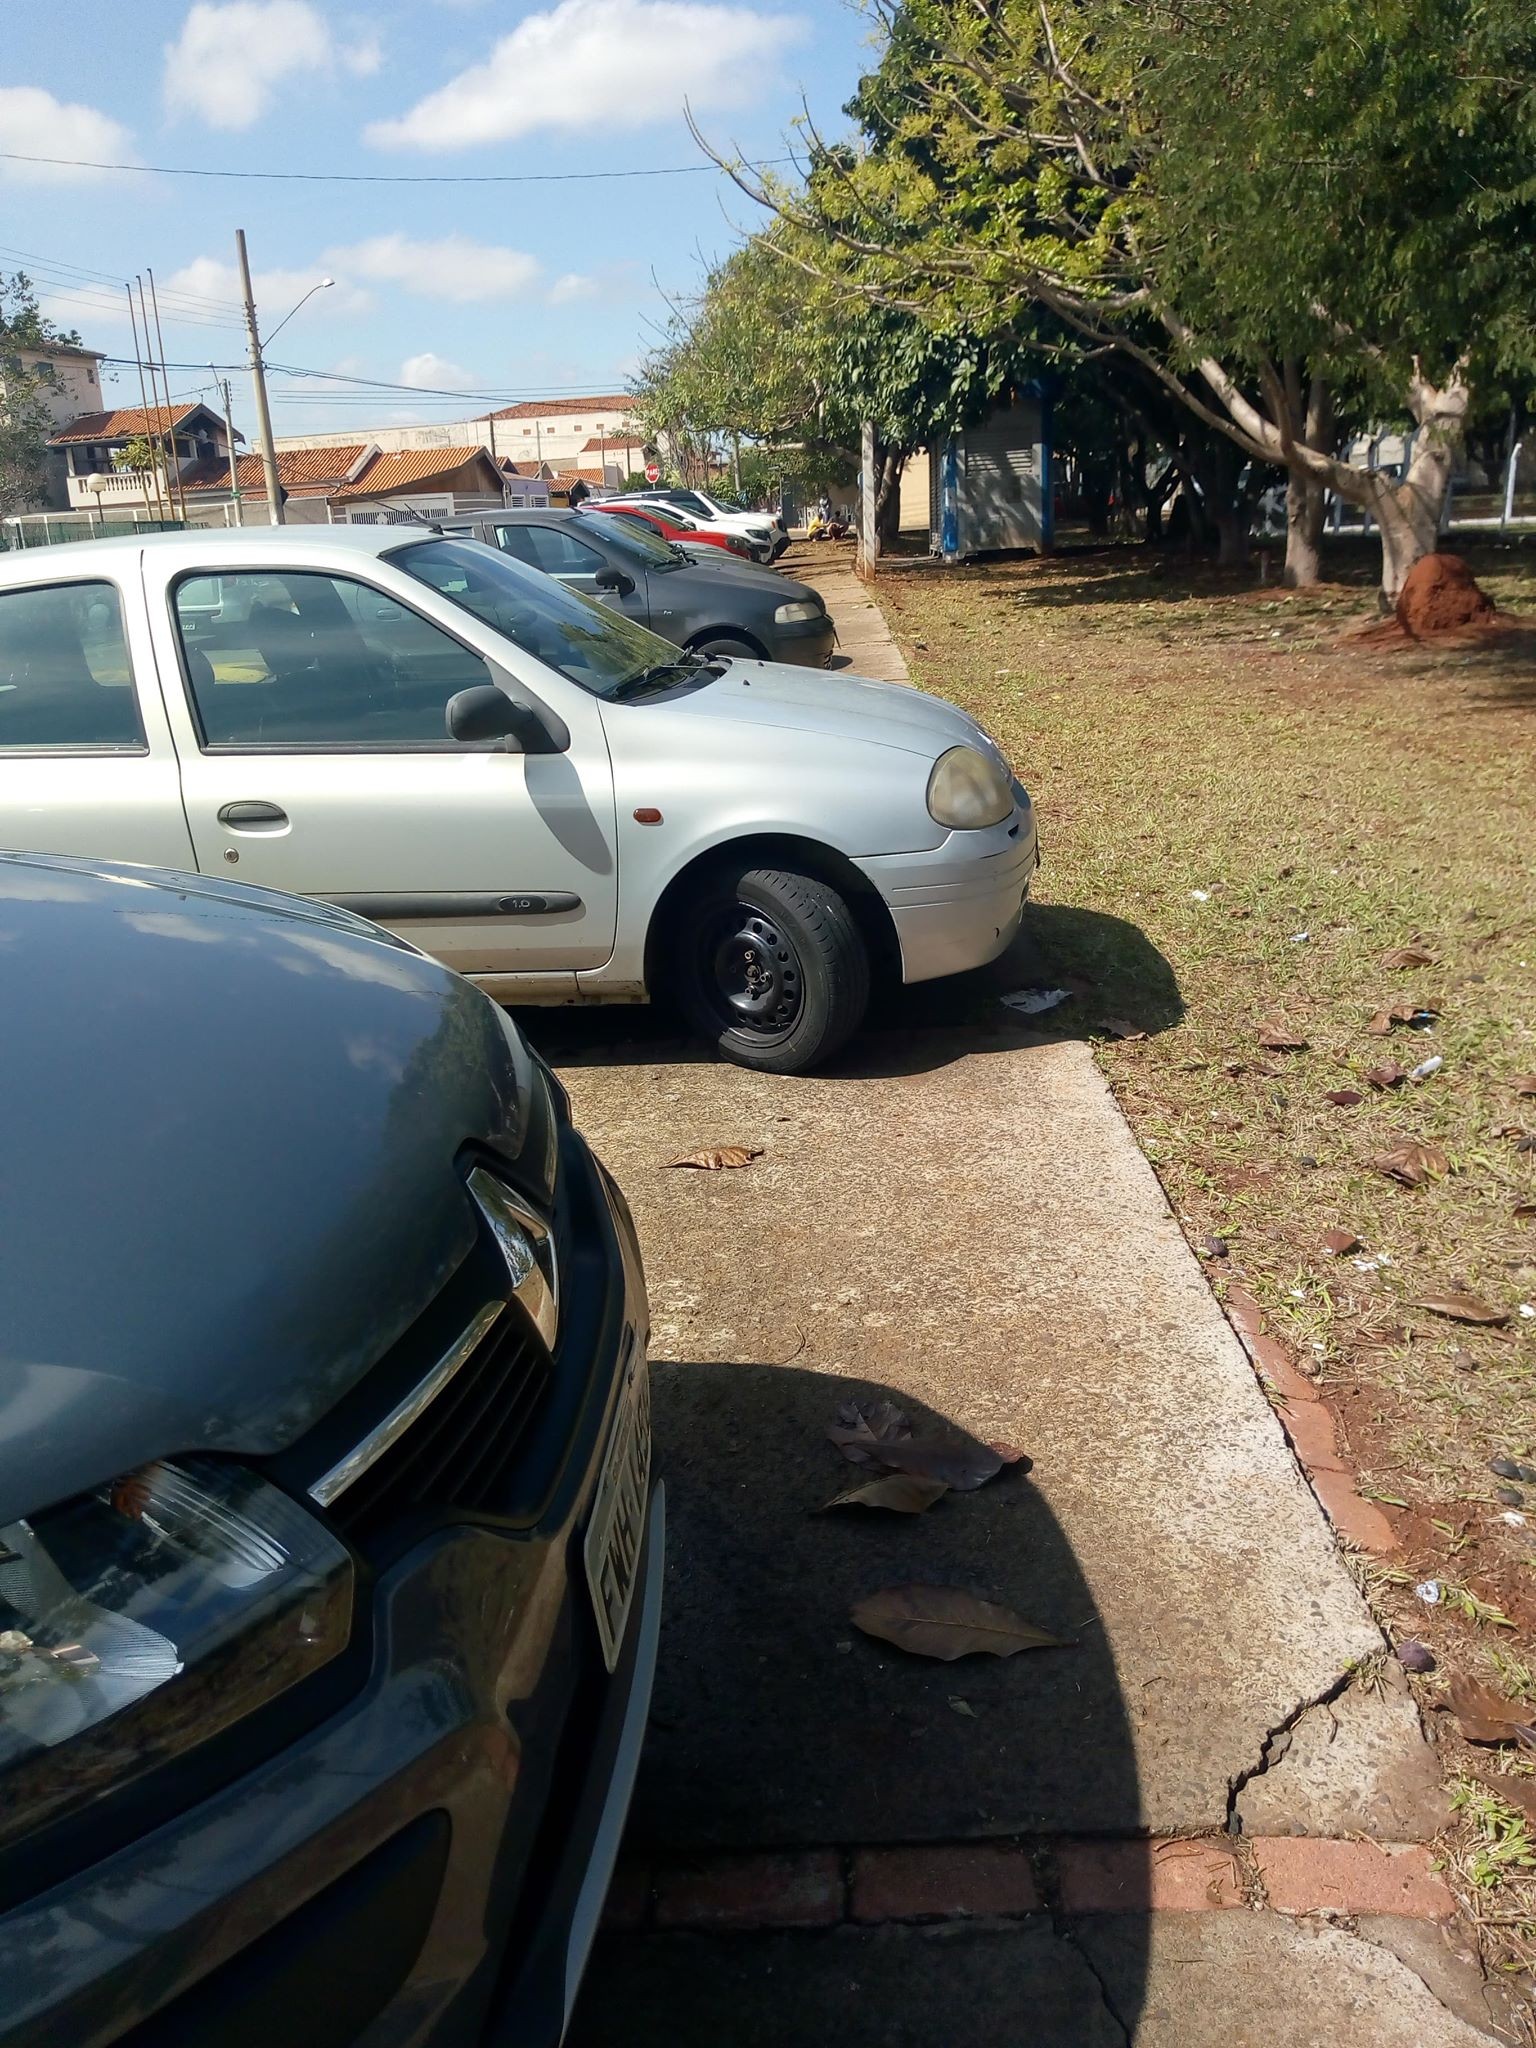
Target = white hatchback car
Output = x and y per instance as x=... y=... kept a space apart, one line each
x=510 y=774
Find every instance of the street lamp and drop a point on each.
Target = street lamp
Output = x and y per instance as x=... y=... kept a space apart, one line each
x=323 y=286
x=259 y=375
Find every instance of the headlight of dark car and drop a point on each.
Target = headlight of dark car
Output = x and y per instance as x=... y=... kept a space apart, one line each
x=143 y=1618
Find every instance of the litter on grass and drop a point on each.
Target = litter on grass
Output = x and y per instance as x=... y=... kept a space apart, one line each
x=1427 y=1067
x=1431 y=1592
x=1029 y=1002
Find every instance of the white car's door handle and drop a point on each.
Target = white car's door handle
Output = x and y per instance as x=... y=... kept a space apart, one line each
x=252 y=816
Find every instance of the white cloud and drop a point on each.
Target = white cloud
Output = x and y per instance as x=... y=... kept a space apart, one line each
x=573 y=286
x=453 y=268
x=592 y=65
x=231 y=55
x=276 y=292
x=435 y=370
x=34 y=123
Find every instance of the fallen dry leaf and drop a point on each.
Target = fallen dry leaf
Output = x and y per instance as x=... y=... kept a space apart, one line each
x=1344 y=1098
x=1412 y=1163
x=1408 y=956
x=1484 y=1715
x=714 y=1157
x=1121 y=1027
x=1524 y=1084
x=1276 y=1036
x=962 y=1464
x=1400 y=1013
x=1339 y=1242
x=1381 y=1336
x=861 y=1432
x=946 y=1622
x=1388 y=1075
x=900 y=1493
x=1462 y=1308
x=1524 y=1212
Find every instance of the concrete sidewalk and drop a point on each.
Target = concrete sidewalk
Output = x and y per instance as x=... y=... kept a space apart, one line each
x=864 y=642
x=1205 y=1821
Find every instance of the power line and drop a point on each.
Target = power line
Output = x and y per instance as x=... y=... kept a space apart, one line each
x=360 y=387
x=78 y=270
x=78 y=163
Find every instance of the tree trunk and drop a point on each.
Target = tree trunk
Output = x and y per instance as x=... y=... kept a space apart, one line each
x=1409 y=513
x=888 y=496
x=1306 y=505
x=1233 y=526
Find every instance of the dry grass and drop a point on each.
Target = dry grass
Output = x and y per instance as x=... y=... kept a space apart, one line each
x=1215 y=779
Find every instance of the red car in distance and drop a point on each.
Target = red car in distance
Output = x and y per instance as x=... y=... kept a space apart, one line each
x=674 y=527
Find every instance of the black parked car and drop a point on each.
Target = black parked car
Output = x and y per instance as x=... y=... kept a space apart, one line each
x=329 y=1562
x=731 y=607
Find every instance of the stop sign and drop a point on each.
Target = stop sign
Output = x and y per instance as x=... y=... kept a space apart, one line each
x=653 y=472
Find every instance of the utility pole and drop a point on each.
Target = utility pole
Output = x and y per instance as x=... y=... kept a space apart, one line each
x=259 y=386
x=133 y=320
x=222 y=385
x=173 y=471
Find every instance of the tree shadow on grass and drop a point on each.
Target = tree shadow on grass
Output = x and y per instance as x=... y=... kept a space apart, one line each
x=1109 y=965
x=778 y=1726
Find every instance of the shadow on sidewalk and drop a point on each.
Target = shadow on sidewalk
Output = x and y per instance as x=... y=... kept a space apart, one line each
x=1112 y=967
x=777 y=1725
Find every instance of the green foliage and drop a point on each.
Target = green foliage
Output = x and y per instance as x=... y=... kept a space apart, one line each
x=139 y=453
x=25 y=420
x=774 y=352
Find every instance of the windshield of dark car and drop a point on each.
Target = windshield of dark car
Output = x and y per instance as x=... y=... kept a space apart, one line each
x=594 y=647
x=632 y=537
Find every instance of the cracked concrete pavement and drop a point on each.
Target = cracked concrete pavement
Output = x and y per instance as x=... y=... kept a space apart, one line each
x=959 y=1219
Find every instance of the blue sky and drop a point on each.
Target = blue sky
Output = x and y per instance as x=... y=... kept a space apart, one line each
x=514 y=289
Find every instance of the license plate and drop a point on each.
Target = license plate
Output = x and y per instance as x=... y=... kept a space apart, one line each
x=617 y=1527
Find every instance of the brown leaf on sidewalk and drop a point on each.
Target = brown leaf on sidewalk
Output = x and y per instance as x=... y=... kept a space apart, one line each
x=947 y=1622
x=1462 y=1308
x=1412 y=1163
x=1484 y=1715
x=962 y=1463
x=900 y=1493
x=1277 y=1036
x=861 y=1433
x=1121 y=1027
x=1408 y=956
x=1388 y=1075
x=713 y=1157
x=1339 y=1242
x=1344 y=1098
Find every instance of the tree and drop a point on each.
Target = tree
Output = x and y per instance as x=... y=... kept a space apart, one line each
x=771 y=351
x=138 y=454
x=1268 y=213
x=25 y=418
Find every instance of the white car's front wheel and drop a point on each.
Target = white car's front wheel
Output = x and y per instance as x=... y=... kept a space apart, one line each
x=772 y=967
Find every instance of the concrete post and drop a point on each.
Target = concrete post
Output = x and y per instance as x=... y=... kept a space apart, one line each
x=869 y=535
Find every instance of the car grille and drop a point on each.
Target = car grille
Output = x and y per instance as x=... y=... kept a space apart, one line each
x=457 y=1450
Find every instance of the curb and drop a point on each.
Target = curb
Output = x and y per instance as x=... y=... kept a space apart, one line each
x=1310 y=1427
x=743 y=1891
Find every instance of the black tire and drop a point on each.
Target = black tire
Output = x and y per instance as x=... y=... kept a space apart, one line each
x=727 y=643
x=771 y=967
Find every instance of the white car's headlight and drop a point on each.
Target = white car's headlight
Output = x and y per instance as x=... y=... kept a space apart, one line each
x=967 y=791
x=800 y=612
x=137 y=1621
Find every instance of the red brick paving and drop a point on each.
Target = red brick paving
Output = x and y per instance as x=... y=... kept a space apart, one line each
x=984 y=1880
x=1304 y=1874
x=1141 y=1877
x=803 y=1888
x=1313 y=1432
x=946 y=1882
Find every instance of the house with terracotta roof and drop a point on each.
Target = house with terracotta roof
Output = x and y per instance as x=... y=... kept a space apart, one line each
x=421 y=483
x=595 y=432
x=189 y=435
x=308 y=478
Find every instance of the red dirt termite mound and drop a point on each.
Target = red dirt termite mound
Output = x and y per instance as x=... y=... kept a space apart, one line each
x=1441 y=595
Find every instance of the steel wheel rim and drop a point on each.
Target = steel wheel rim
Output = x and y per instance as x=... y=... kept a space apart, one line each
x=753 y=973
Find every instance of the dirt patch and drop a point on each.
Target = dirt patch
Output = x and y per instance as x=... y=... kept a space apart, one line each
x=1441 y=595
x=1441 y=604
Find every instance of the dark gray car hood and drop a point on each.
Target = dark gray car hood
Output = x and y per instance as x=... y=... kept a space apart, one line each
x=228 y=1180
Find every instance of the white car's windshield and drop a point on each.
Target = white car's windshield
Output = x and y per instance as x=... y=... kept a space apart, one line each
x=594 y=647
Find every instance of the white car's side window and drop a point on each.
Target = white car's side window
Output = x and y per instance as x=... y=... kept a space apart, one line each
x=295 y=658
x=65 y=681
